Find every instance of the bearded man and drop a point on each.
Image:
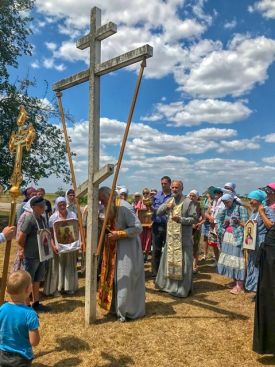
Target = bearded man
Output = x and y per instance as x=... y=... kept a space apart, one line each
x=175 y=270
x=122 y=281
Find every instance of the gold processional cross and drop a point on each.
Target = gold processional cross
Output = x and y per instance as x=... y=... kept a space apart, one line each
x=18 y=141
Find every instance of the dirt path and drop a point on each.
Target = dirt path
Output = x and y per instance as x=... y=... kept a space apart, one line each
x=212 y=328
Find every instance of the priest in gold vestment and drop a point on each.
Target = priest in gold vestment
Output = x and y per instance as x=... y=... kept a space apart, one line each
x=175 y=270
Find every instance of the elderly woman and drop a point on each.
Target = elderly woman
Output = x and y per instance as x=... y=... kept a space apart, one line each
x=230 y=223
x=264 y=216
x=62 y=274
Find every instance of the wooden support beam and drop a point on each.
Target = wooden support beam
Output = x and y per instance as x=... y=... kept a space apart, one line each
x=71 y=81
x=103 y=32
x=124 y=60
x=99 y=177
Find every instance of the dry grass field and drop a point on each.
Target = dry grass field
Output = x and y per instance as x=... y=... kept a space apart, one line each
x=211 y=328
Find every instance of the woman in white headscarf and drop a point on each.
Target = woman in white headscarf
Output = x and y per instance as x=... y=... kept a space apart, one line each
x=63 y=273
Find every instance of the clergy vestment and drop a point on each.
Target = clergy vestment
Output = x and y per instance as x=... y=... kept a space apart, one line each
x=128 y=296
x=176 y=266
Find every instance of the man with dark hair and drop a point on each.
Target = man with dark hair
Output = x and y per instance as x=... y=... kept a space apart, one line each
x=159 y=223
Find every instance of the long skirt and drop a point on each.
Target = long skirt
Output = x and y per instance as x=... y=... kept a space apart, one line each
x=231 y=261
x=67 y=274
x=252 y=272
x=264 y=318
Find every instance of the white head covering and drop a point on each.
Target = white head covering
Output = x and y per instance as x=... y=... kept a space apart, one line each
x=231 y=185
x=123 y=190
x=58 y=200
x=195 y=192
x=27 y=207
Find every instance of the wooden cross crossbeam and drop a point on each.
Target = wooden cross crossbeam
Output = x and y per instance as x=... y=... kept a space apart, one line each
x=103 y=32
x=99 y=177
x=96 y=175
x=114 y=64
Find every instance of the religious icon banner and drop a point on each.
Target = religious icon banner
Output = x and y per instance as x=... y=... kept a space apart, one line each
x=44 y=244
x=66 y=234
x=250 y=235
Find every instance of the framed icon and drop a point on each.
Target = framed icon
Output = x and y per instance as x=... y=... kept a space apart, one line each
x=44 y=244
x=250 y=235
x=66 y=234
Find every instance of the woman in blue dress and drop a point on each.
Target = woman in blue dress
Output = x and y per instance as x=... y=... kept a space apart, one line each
x=264 y=216
x=230 y=223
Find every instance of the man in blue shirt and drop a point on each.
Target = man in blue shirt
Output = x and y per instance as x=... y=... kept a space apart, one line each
x=159 y=223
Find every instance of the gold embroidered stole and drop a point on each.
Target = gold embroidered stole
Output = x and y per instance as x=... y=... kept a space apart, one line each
x=108 y=268
x=174 y=243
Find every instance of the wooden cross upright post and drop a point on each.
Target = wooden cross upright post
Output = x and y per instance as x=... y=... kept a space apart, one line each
x=93 y=40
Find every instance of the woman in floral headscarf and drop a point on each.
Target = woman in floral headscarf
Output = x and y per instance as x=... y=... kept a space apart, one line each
x=265 y=217
x=230 y=223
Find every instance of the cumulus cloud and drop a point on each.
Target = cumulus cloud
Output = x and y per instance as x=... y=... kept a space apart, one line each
x=199 y=111
x=270 y=138
x=266 y=7
x=232 y=71
x=269 y=160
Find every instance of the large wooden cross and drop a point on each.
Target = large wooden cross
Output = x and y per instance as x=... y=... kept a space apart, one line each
x=93 y=40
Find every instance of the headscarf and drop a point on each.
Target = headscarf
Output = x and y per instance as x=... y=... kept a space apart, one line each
x=195 y=192
x=227 y=197
x=231 y=185
x=59 y=200
x=257 y=195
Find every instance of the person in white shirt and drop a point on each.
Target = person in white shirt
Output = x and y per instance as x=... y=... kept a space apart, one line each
x=7 y=234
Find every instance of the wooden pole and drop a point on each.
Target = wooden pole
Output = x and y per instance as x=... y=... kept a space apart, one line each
x=68 y=149
x=126 y=132
x=7 y=254
x=93 y=167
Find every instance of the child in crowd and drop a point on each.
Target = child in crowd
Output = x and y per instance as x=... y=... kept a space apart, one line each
x=18 y=323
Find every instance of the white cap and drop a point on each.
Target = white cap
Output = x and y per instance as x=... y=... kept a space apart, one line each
x=137 y=194
x=195 y=192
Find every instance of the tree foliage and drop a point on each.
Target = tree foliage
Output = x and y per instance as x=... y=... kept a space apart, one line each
x=48 y=154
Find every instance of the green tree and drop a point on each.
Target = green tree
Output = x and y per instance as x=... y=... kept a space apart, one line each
x=48 y=153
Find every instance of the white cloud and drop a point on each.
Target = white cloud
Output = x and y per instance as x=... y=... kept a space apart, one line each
x=270 y=138
x=51 y=45
x=233 y=71
x=266 y=7
x=269 y=160
x=35 y=64
x=199 y=111
x=49 y=63
x=230 y=25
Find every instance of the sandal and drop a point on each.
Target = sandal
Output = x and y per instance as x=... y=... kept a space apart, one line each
x=236 y=290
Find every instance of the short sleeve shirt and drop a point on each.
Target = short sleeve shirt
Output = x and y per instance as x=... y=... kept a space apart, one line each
x=15 y=323
x=30 y=228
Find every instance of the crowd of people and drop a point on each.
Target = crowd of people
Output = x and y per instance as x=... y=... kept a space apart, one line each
x=166 y=225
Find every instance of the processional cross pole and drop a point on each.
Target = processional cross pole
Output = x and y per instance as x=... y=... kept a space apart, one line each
x=93 y=40
x=18 y=141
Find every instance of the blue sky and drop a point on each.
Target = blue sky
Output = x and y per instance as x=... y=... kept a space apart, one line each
x=205 y=113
